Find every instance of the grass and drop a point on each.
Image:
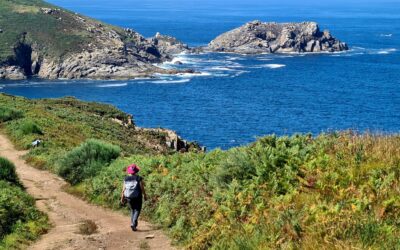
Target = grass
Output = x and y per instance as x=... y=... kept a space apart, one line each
x=20 y=221
x=332 y=191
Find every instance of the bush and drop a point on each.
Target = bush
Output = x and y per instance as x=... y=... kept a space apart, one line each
x=8 y=114
x=87 y=160
x=7 y=171
x=29 y=127
x=20 y=221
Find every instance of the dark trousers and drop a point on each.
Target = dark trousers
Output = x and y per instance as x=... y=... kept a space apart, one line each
x=135 y=205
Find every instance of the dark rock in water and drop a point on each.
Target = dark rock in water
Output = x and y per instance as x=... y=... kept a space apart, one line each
x=258 y=37
x=178 y=63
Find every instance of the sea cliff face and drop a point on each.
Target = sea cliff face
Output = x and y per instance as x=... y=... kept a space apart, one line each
x=259 y=37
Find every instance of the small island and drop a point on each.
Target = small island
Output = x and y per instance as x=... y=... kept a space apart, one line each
x=257 y=37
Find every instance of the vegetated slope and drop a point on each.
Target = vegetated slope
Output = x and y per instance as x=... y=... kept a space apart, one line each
x=20 y=221
x=37 y=38
x=335 y=191
x=63 y=124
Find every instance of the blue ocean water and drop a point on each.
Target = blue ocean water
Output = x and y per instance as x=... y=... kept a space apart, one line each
x=238 y=97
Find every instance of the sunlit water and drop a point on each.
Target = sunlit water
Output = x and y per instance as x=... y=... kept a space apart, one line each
x=236 y=97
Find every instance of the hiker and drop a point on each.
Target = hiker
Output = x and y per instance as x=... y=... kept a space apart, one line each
x=132 y=192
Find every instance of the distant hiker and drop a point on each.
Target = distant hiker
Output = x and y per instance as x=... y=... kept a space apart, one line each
x=132 y=192
x=36 y=143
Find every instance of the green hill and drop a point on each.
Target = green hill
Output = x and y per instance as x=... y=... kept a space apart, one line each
x=37 y=38
x=333 y=191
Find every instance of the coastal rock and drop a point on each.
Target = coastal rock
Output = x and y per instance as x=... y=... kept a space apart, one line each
x=169 y=45
x=12 y=73
x=259 y=37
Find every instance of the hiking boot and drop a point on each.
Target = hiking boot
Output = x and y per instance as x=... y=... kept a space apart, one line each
x=133 y=228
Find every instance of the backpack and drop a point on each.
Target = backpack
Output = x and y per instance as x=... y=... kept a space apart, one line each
x=132 y=188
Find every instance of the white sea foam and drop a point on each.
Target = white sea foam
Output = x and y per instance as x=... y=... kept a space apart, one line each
x=386 y=51
x=273 y=66
x=191 y=75
x=165 y=81
x=112 y=85
x=386 y=35
x=221 y=68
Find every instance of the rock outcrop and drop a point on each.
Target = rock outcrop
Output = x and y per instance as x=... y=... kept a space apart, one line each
x=259 y=37
x=169 y=45
x=12 y=73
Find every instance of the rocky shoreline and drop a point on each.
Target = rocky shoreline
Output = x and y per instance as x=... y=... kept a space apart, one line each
x=115 y=53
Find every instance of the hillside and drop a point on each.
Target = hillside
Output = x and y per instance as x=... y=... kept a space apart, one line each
x=333 y=191
x=39 y=39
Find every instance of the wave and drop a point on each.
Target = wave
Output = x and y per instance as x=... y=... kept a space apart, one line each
x=191 y=75
x=170 y=81
x=273 y=66
x=112 y=85
x=221 y=68
x=386 y=35
x=386 y=51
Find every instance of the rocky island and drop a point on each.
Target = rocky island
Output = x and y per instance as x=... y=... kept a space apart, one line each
x=259 y=37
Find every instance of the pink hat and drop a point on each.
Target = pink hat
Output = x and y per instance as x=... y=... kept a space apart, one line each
x=132 y=169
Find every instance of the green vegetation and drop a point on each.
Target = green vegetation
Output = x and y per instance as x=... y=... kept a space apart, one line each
x=7 y=171
x=334 y=191
x=23 y=22
x=86 y=160
x=20 y=221
x=63 y=124
x=8 y=114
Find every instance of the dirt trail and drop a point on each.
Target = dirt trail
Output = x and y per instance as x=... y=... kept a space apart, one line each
x=66 y=213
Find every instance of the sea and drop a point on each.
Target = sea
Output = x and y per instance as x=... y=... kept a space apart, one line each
x=238 y=98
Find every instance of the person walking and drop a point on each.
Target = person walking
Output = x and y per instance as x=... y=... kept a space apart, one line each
x=132 y=193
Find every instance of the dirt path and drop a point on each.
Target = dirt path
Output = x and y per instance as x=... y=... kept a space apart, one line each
x=67 y=212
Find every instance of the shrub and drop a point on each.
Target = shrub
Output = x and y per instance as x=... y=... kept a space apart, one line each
x=29 y=127
x=87 y=160
x=20 y=221
x=8 y=114
x=7 y=171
